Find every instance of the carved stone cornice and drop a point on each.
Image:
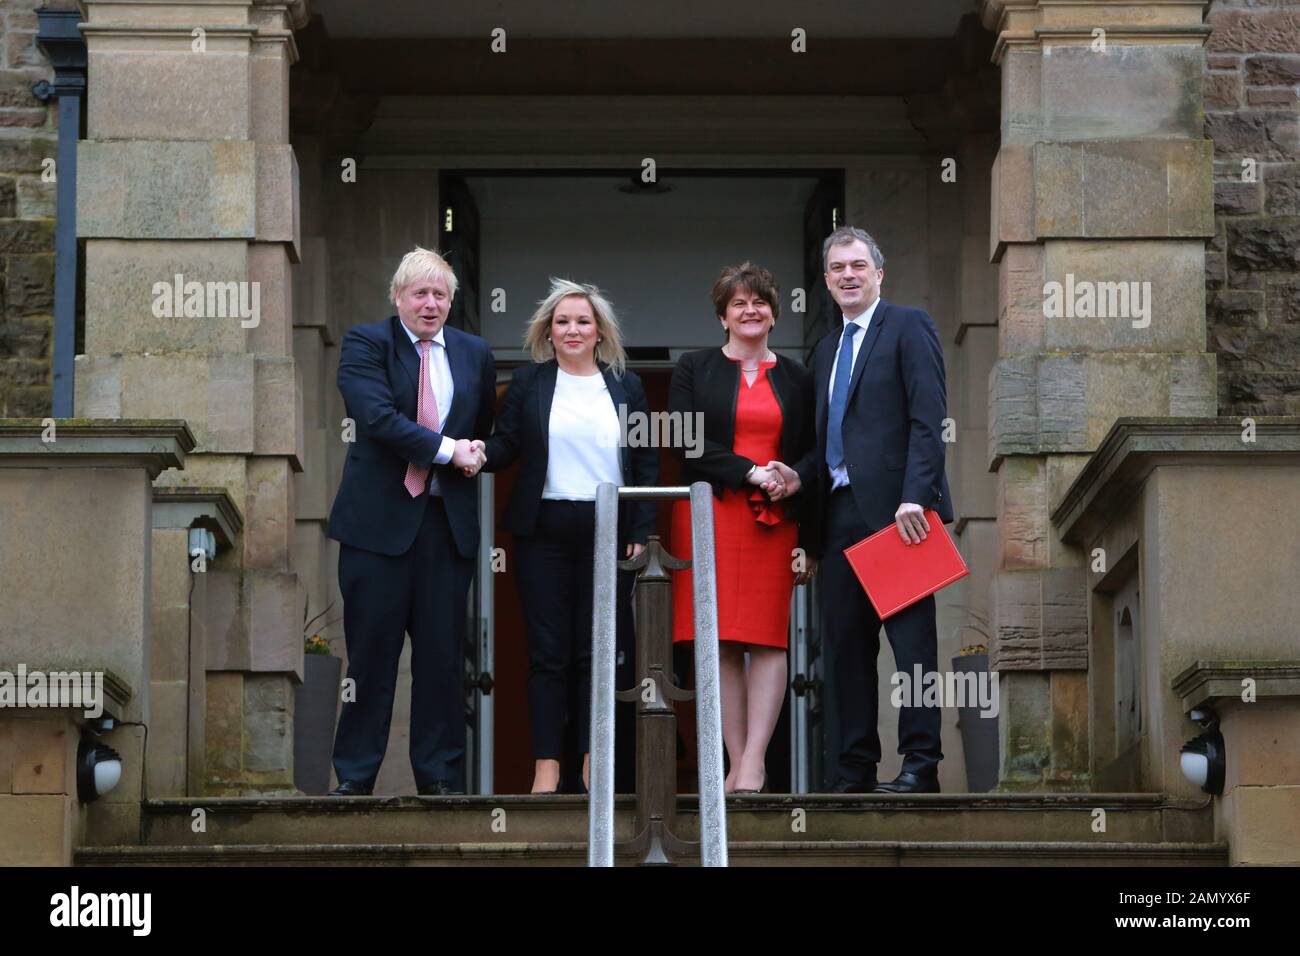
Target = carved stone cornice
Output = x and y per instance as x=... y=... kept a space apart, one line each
x=276 y=21
x=1211 y=682
x=296 y=12
x=1134 y=447
x=183 y=506
x=1028 y=22
x=152 y=444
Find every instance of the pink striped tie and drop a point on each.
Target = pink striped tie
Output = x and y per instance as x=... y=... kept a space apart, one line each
x=426 y=414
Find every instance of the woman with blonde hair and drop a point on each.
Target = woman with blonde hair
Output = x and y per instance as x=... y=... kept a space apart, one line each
x=561 y=419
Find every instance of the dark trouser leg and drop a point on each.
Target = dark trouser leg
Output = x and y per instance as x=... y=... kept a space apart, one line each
x=376 y=595
x=625 y=677
x=546 y=594
x=913 y=635
x=852 y=633
x=440 y=580
x=581 y=563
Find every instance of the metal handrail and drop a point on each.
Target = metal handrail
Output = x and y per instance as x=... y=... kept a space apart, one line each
x=708 y=701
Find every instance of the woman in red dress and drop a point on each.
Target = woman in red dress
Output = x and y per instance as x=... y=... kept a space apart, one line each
x=756 y=409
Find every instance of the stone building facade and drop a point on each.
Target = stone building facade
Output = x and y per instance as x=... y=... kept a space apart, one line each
x=27 y=139
x=1252 y=277
x=1096 y=141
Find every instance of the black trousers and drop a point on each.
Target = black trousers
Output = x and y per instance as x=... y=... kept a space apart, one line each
x=554 y=570
x=852 y=632
x=421 y=593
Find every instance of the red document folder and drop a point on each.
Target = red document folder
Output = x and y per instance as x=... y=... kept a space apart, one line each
x=896 y=575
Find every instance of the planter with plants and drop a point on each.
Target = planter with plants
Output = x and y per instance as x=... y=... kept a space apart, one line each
x=979 y=734
x=316 y=703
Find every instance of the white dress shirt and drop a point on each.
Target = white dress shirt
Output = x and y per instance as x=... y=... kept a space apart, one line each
x=583 y=435
x=840 y=474
x=444 y=391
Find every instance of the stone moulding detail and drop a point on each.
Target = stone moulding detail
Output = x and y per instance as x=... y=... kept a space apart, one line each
x=1206 y=681
x=1135 y=446
x=155 y=444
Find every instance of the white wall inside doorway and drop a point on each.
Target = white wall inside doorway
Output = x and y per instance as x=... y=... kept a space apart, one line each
x=655 y=255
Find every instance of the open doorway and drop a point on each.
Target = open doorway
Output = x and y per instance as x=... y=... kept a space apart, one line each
x=655 y=249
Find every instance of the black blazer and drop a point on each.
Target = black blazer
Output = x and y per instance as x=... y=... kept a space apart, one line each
x=523 y=431
x=893 y=423
x=379 y=373
x=707 y=381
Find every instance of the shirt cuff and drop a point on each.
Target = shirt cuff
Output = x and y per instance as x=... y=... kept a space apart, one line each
x=446 y=451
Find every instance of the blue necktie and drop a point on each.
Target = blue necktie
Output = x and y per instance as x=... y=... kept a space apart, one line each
x=840 y=396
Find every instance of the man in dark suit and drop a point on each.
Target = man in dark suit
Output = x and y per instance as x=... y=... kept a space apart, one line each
x=878 y=461
x=406 y=517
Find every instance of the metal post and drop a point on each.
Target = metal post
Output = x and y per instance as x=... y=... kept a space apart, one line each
x=61 y=42
x=600 y=826
x=713 y=820
x=708 y=689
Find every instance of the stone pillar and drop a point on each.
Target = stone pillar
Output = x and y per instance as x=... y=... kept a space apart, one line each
x=187 y=171
x=75 y=558
x=1103 y=176
x=178 y=657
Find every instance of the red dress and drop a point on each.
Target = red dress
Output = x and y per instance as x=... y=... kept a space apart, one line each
x=753 y=539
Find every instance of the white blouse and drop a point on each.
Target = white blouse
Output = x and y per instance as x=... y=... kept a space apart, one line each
x=584 y=432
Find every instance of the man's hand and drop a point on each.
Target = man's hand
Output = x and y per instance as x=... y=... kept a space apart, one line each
x=633 y=550
x=806 y=575
x=469 y=456
x=785 y=482
x=911 y=521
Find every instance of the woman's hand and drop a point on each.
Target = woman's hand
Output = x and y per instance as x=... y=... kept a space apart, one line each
x=634 y=550
x=785 y=481
x=761 y=476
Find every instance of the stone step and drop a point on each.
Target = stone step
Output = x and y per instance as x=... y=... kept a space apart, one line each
x=751 y=853
x=981 y=818
x=519 y=820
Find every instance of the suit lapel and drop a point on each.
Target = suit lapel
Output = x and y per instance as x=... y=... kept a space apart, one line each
x=822 y=363
x=407 y=356
x=546 y=377
x=869 y=343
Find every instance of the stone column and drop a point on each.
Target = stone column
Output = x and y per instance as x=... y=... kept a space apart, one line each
x=1103 y=177
x=187 y=172
x=75 y=560
x=178 y=656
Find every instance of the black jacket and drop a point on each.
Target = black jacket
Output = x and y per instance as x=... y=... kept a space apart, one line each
x=379 y=374
x=523 y=432
x=707 y=381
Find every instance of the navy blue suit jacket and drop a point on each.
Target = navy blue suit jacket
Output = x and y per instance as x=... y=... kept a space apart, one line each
x=523 y=432
x=893 y=431
x=379 y=374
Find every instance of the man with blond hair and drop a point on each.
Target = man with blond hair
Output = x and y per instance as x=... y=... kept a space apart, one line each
x=406 y=519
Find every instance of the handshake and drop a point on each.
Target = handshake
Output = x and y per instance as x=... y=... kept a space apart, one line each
x=777 y=479
x=470 y=456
